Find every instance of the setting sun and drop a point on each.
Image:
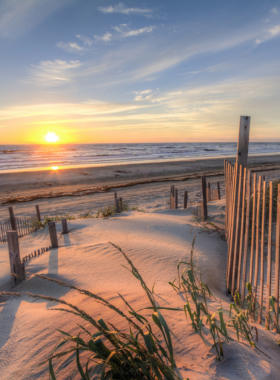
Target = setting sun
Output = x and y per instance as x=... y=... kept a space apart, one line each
x=51 y=137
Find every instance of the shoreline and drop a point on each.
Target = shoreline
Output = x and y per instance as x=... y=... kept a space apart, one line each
x=28 y=186
x=125 y=163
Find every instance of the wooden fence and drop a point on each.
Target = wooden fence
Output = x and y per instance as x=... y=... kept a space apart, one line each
x=24 y=226
x=252 y=221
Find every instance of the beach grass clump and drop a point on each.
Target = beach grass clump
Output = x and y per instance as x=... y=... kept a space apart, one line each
x=57 y=218
x=199 y=313
x=144 y=352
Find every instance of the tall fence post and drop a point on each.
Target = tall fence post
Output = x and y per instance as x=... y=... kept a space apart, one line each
x=218 y=190
x=12 y=219
x=243 y=141
x=38 y=213
x=53 y=234
x=17 y=268
x=204 y=198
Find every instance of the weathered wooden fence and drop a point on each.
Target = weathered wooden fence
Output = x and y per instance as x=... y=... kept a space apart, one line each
x=24 y=225
x=252 y=222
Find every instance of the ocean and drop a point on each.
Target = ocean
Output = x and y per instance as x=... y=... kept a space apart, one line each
x=40 y=157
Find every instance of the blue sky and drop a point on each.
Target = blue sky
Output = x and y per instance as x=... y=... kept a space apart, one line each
x=110 y=71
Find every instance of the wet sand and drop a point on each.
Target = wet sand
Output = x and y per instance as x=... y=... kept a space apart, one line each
x=29 y=186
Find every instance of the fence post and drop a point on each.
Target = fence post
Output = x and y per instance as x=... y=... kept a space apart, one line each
x=277 y=257
x=172 y=193
x=176 y=198
x=53 y=235
x=117 y=205
x=38 y=213
x=243 y=141
x=218 y=190
x=15 y=263
x=64 y=226
x=204 y=199
x=185 y=199
x=12 y=219
x=115 y=195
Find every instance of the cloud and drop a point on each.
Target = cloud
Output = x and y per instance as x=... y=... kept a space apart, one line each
x=72 y=47
x=139 y=95
x=121 y=8
x=87 y=41
x=105 y=38
x=123 y=31
x=88 y=108
x=274 y=11
x=52 y=73
x=269 y=34
x=16 y=17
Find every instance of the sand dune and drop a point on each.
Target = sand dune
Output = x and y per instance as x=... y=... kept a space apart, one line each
x=155 y=242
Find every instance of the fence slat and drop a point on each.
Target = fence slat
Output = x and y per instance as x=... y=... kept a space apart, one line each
x=237 y=230
x=277 y=256
x=268 y=276
x=253 y=229
x=231 y=226
x=256 y=277
x=247 y=225
x=241 y=228
x=262 y=251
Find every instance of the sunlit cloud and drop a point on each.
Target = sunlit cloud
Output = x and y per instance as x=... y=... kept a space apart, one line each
x=121 y=8
x=143 y=95
x=52 y=73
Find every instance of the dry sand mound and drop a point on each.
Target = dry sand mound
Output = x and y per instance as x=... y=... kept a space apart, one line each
x=155 y=242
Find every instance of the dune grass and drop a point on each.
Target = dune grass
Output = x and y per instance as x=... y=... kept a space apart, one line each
x=145 y=350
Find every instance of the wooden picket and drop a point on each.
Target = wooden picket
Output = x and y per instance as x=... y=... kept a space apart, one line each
x=253 y=235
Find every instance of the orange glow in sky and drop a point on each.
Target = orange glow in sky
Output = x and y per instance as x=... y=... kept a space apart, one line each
x=51 y=137
x=54 y=167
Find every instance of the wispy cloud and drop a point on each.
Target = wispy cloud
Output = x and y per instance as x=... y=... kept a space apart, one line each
x=121 y=8
x=16 y=17
x=143 y=95
x=273 y=32
x=274 y=11
x=52 y=73
x=123 y=31
x=88 y=108
x=72 y=47
x=86 y=40
x=105 y=38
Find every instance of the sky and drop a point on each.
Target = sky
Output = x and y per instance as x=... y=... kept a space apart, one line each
x=98 y=71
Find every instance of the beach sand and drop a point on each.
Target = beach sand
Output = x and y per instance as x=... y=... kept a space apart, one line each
x=155 y=242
